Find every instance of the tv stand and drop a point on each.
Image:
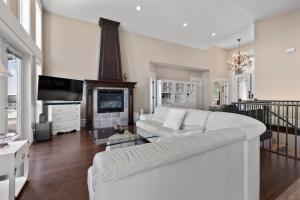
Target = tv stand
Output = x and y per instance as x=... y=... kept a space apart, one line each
x=65 y=117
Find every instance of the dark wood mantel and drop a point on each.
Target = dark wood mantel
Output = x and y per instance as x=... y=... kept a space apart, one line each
x=92 y=84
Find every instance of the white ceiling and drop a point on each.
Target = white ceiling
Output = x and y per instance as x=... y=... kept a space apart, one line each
x=163 y=19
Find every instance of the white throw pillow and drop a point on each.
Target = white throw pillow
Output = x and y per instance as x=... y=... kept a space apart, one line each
x=174 y=119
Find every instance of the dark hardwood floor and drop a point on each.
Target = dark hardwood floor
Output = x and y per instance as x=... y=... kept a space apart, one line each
x=277 y=174
x=58 y=170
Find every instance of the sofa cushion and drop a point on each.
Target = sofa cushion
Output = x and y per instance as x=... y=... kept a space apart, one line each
x=190 y=131
x=180 y=133
x=161 y=113
x=221 y=120
x=156 y=128
x=174 y=119
x=195 y=119
x=166 y=132
x=149 y=125
x=120 y=163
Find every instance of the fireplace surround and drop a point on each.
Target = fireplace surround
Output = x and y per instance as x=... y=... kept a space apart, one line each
x=94 y=118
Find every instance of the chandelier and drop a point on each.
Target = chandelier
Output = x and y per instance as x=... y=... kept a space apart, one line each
x=240 y=62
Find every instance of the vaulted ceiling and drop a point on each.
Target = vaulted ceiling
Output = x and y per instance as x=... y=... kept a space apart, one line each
x=164 y=19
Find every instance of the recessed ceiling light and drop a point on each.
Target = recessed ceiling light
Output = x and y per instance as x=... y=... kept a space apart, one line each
x=213 y=34
x=138 y=8
x=184 y=24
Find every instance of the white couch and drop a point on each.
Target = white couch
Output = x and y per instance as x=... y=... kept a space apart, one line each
x=194 y=122
x=217 y=159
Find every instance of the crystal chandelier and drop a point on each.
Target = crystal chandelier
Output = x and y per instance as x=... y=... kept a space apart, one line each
x=240 y=62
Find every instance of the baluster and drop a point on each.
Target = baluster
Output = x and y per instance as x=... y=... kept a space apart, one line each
x=292 y=120
x=278 y=123
x=256 y=111
x=269 y=122
x=296 y=131
x=286 y=131
x=270 y=140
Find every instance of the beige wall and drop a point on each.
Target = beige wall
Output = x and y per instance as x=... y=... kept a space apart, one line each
x=218 y=61
x=277 y=72
x=168 y=73
x=71 y=49
x=15 y=7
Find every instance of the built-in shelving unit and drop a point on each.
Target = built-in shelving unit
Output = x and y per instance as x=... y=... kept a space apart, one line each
x=175 y=93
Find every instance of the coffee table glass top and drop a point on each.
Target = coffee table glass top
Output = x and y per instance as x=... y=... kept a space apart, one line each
x=110 y=137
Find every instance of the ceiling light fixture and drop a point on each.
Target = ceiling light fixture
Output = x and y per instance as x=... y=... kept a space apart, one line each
x=184 y=24
x=240 y=62
x=138 y=8
x=213 y=34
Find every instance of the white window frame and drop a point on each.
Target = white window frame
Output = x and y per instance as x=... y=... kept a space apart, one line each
x=38 y=21
x=25 y=19
x=38 y=105
x=7 y=47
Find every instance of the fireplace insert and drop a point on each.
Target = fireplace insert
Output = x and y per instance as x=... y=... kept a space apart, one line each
x=110 y=100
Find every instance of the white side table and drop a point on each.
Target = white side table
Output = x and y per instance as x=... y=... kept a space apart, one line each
x=11 y=160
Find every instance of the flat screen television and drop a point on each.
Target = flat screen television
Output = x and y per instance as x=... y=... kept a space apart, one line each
x=59 y=89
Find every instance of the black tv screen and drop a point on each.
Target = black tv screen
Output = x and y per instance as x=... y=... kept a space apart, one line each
x=59 y=89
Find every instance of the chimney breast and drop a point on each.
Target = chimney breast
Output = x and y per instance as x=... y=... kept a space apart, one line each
x=110 y=67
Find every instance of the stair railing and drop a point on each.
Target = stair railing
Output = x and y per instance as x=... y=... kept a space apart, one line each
x=282 y=121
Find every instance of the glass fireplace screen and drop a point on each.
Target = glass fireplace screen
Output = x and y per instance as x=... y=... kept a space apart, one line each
x=110 y=101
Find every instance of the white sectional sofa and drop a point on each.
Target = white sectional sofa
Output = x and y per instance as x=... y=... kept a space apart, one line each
x=213 y=156
x=194 y=122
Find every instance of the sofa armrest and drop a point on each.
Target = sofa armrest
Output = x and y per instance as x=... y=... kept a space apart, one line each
x=146 y=117
x=253 y=130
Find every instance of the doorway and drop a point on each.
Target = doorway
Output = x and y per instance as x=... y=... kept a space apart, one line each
x=220 y=92
x=152 y=89
x=199 y=92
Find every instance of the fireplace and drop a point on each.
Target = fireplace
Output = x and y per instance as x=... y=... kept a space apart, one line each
x=106 y=104
x=110 y=101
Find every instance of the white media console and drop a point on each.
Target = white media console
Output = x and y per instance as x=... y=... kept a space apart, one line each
x=64 y=117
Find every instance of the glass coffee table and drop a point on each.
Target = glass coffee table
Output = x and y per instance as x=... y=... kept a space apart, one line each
x=113 y=140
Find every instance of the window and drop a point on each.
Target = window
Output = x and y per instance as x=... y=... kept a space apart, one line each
x=13 y=93
x=38 y=24
x=25 y=15
x=244 y=85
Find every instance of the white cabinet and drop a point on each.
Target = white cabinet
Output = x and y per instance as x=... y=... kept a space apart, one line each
x=65 y=117
x=176 y=93
x=14 y=164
